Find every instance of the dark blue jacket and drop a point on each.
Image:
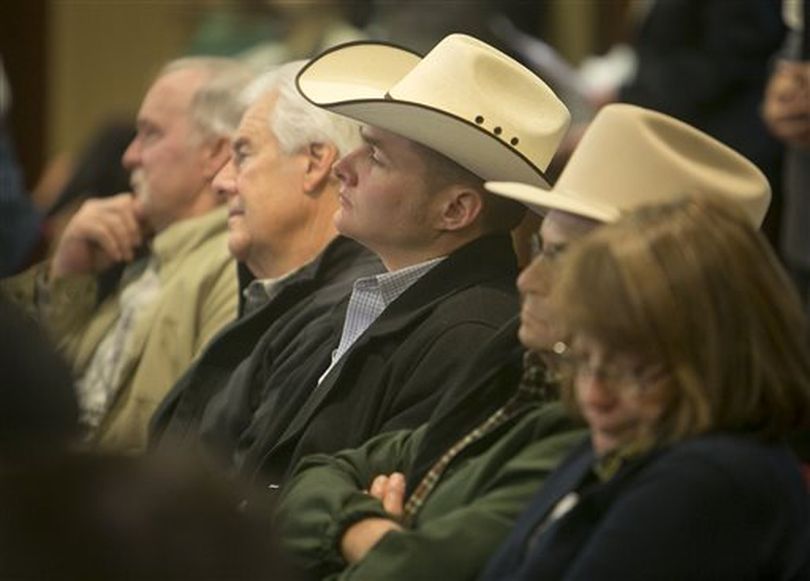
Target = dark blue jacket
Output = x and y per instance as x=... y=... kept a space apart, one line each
x=230 y=356
x=716 y=507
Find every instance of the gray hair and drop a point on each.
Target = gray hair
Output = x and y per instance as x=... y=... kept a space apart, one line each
x=215 y=108
x=296 y=122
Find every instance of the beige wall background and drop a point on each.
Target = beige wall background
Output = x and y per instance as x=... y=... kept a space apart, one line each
x=103 y=54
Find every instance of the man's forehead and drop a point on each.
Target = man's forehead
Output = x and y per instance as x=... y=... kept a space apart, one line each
x=168 y=101
x=256 y=119
x=263 y=105
x=382 y=137
x=177 y=87
x=395 y=148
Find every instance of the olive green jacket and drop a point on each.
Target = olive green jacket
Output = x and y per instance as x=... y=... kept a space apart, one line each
x=198 y=296
x=460 y=525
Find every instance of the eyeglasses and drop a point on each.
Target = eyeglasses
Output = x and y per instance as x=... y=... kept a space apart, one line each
x=568 y=365
x=550 y=252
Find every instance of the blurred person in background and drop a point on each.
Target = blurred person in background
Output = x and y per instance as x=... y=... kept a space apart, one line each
x=705 y=62
x=128 y=348
x=19 y=218
x=86 y=517
x=265 y=33
x=38 y=408
x=786 y=110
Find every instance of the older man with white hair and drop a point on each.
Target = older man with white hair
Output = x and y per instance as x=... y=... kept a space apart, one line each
x=293 y=265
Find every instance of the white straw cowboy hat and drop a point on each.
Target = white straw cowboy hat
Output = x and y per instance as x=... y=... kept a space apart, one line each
x=464 y=99
x=630 y=156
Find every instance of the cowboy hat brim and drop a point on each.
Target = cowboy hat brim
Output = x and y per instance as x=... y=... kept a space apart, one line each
x=542 y=201
x=333 y=81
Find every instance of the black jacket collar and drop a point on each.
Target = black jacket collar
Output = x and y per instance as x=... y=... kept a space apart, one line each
x=489 y=258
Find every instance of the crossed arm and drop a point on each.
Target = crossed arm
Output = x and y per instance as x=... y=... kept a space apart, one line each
x=360 y=537
x=340 y=514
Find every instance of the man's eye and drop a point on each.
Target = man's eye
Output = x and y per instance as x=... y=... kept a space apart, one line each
x=372 y=155
x=551 y=252
x=149 y=134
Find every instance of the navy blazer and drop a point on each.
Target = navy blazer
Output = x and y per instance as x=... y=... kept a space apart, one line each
x=715 y=507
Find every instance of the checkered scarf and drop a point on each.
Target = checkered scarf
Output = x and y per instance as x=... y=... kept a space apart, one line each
x=536 y=385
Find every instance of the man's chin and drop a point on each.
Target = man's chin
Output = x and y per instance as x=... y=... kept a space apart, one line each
x=238 y=247
x=145 y=203
x=342 y=225
x=141 y=193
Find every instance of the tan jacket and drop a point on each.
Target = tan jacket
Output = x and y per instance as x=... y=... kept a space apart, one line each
x=198 y=296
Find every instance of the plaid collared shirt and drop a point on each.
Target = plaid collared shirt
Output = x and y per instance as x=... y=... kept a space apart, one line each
x=371 y=295
x=536 y=385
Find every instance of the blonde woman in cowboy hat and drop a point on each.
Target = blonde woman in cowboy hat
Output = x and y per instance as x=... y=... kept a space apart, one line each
x=690 y=367
x=435 y=502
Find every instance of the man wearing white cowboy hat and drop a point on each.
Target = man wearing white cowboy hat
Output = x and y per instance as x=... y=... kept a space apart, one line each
x=437 y=501
x=413 y=193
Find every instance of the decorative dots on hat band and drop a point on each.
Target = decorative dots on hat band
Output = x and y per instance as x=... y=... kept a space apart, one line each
x=479 y=120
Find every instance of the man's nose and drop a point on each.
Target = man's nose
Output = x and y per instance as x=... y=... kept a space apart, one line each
x=344 y=170
x=224 y=182
x=132 y=156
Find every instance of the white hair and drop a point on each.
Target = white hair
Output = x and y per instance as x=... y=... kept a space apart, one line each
x=216 y=106
x=296 y=122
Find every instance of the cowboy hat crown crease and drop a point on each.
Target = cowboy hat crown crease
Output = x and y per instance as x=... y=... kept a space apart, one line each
x=630 y=156
x=470 y=80
x=465 y=100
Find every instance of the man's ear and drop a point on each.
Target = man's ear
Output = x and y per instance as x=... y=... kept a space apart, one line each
x=320 y=158
x=460 y=207
x=217 y=153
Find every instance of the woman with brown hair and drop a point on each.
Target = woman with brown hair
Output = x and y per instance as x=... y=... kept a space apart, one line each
x=688 y=360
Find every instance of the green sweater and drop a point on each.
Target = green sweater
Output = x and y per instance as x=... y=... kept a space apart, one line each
x=461 y=523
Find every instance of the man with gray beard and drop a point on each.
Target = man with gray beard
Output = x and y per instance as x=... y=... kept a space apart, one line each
x=128 y=341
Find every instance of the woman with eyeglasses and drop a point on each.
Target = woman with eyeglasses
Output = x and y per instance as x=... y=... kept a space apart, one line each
x=688 y=359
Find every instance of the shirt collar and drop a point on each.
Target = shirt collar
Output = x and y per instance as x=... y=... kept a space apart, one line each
x=391 y=285
x=261 y=291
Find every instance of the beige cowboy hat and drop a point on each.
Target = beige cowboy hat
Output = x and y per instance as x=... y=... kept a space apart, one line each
x=630 y=156
x=464 y=99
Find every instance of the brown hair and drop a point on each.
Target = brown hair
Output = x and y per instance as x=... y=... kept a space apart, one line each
x=499 y=214
x=693 y=285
